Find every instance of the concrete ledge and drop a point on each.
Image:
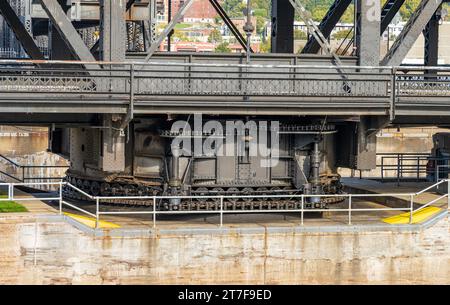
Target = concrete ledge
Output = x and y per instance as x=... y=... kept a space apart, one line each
x=254 y=230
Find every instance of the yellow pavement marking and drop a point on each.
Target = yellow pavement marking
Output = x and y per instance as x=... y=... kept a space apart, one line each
x=418 y=216
x=90 y=221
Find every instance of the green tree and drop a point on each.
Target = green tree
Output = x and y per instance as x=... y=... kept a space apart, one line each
x=223 y=48
x=341 y=34
x=300 y=35
x=265 y=46
x=408 y=8
x=215 y=36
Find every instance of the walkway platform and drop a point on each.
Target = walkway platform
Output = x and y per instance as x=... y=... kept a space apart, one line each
x=330 y=221
x=368 y=186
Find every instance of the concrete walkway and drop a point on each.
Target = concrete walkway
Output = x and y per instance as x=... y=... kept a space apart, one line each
x=259 y=220
x=368 y=186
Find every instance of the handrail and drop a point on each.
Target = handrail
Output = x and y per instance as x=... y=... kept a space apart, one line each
x=24 y=167
x=222 y=211
x=10 y=161
x=168 y=63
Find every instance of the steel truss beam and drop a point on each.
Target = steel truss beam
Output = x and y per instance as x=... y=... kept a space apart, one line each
x=127 y=8
x=388 y=12
x=239 y=37
x=431 y=35
x=186 y=5
x=21 y=33
x=68 y=33
x=327 y=24
x=414 y=27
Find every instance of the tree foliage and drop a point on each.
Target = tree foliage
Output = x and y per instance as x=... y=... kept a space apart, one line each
x=223 y=48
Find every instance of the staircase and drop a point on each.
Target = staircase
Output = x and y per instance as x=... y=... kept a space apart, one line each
x=411 y=32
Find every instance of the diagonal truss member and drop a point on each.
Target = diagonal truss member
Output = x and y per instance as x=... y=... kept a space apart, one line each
x=21 y=33
x=317 y=34
x=68 y=33
x=186 y=5
x=239 y=37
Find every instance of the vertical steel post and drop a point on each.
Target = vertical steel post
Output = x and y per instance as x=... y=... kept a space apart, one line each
x=221 y=211
x=97 y=216
x=350 y=209
x=382 y=168
x=154 y=211
x=60 y=198
x=418 y=169
x=411 y=208
x=448 y=193
x=132 y=91
x=302 y=211
x=10 y=191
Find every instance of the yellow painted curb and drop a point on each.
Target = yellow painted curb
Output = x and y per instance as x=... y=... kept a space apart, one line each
x=418 y=216
x=90 y=222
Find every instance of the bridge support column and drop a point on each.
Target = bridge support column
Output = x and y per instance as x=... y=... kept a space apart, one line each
x=368 y=32
x=358 y=143
x=112 y=22
x=112 y=141
x=282 y=37
x=59 y=49
x=431 y=34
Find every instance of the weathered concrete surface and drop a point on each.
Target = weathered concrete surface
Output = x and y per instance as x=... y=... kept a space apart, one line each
x=34 y=252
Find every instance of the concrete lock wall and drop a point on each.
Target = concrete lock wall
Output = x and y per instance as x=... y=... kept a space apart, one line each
x=36 y=252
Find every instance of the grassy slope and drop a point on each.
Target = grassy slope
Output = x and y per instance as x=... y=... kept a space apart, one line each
x=10 y=206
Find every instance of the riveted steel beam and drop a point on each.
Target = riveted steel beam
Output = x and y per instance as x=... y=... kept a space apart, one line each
x=388 y=12
x=411 y=31
x=327 y=24
x=21 y=33
x=68 y=33
x=187 y=4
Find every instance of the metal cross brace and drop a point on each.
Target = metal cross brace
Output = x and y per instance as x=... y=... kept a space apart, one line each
x=168 y=29
x=320 y=38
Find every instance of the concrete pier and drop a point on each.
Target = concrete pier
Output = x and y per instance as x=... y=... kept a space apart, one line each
x=44 y=250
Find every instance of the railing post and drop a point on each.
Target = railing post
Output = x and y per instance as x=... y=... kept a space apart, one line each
x=411 y=208
x=418 y=169
x=154 y=212
x=221 y=211
x=60 y=198
x=97 y=216
x=350 y=209
x=10 y=191
x=448 y=193
x=302 y=211
x=382 y=168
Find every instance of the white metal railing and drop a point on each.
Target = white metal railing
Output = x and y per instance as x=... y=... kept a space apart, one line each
x=154 y=212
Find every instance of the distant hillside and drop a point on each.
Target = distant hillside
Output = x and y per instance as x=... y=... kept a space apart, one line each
x=318 y=8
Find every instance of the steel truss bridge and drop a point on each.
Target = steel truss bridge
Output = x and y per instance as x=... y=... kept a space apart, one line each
x=173 y=87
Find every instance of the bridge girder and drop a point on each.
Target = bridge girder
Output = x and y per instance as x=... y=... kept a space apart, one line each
x=21 y=33
x=327 y=24
x=68 y=33
x=411 y=31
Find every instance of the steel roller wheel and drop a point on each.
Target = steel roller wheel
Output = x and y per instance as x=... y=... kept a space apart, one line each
x=247 y=192
x=95 y=188
x=105 y=189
